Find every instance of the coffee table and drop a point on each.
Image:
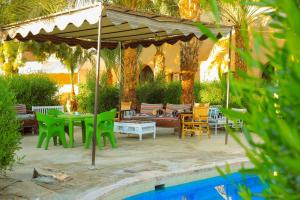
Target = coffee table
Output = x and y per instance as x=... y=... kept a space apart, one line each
x=136 y=128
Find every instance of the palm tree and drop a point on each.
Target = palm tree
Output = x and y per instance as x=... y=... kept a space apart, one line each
x=241 y=15
x=11 y=57
x=11 y=53
x=159 y=61
x=112 y=63
x=189 y=9
x=72 y=58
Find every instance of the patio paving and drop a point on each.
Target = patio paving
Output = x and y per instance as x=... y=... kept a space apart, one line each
x=131 y=162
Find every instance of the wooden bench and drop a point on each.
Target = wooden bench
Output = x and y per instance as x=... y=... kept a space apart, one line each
x=27 y=118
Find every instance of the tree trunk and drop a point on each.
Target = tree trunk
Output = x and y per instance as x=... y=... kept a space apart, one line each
x=188 y=79
x=109 y=77
x=188 y=67
x=130 y=76
x=159 y=62
x=240 y=64
x=189 y=9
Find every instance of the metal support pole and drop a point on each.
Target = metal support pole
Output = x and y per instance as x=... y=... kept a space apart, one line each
x=121 y=78
x=97 y=89
x=228 y=84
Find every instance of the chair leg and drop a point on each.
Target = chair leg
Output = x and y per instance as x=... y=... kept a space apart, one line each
x=112 y=139
x=208 y=131
x=88 y=139
x=182 y=132
x=41 y=138
x=62 y=139
x=48 y=137
x=99 y=142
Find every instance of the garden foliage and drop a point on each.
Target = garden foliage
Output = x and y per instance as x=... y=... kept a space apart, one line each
x=159 y=91
x=9 y=128
x=33 y=90
x=272 y=122
x=108 y=95
x=212 y=93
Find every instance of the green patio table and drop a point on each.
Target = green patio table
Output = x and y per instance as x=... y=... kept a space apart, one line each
x=71 y=118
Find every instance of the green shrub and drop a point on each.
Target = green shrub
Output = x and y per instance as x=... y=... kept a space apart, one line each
x=173 y=93
x=151 y=92
x=9 y=126
x=212 y=92
x=197 y=87
x=33 y=90
x=272 y=120
x=108 y=95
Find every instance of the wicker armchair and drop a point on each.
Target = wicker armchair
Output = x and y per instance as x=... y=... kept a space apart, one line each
x=196 y=122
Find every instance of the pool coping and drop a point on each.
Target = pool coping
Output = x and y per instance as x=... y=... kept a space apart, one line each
x=146 y=181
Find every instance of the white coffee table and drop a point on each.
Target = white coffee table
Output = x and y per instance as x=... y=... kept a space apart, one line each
x=136 y=128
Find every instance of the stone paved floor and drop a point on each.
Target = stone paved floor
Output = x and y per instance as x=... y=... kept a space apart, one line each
x=132 y=158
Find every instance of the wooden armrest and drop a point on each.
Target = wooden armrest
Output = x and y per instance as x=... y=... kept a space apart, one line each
x=183 y=116
x=186 y=115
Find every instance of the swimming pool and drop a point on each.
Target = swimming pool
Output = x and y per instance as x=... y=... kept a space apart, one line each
x=216 y=188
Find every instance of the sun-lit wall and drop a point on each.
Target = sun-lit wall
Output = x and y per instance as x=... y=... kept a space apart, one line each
x=172 y=56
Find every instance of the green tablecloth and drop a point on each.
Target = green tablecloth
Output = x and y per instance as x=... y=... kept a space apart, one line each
x=70 y=119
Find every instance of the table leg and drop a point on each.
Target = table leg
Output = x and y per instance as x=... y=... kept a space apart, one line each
x=154 y=133
x=140 y=131
x=83 y=129
x=216 y=128
x=71 y=133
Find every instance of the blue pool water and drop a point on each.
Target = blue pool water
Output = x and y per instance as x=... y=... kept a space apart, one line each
x=216 y=188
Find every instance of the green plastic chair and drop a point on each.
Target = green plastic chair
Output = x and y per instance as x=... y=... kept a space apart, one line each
x=105 y=129
x=50 y=127
x=55 y=113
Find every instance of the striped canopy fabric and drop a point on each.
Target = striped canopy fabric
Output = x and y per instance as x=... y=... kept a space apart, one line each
x=131 y=28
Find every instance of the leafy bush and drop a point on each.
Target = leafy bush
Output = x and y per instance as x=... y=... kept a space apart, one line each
x=159 y=91
x=212 y=92
x=9 y=126
x=173 y=93
x=108 y=95
x=33 y=90
x=273 y=116
x=197 y=87
x=151 y=92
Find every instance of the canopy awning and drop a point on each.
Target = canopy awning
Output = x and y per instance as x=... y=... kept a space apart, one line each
x=80 y=27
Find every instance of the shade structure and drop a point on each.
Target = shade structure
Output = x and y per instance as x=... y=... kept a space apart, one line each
x=132 y=28
x=104 y=26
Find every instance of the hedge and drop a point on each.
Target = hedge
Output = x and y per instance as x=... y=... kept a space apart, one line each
x=33 y=90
